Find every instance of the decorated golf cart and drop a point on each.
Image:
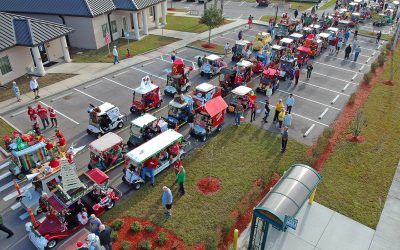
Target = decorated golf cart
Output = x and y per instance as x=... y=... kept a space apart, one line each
x=277 y=52
x=261 y=39
x=212 y=66
x=269 y=79
x=303 y=55
x=239 y=49
x=210 y=118
x=263 y=3
x=286 y=43
x=244 y=72
x=287 y=63
x=178 y=79
x=297 y=39
x=107 y=152
x=164 y=150
x=334 y=32
x=203 y=93
x=227 y=80
x=104 y=118
x=314 y=44
x=178 y=111
x=146 y=97
x=324 y=37
x=242 y=94
x=281 y=30
x=145 y=128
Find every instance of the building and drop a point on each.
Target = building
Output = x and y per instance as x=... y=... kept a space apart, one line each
x=94 y=21
x=26 y=44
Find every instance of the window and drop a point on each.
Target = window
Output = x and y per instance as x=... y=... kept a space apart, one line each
x=5 y=66
x=104 y=28
x=114 y=26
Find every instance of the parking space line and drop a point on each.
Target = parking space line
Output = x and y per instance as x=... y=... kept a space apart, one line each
x=159 y=77
x=179 y=51
x=362 y=67
x=158 y=110
x=335 y=99
x=61 y=96
x=345 y=87
x=323 y=113
x=342 y=80
x=241 y=3
x=354 y=77
x=335 y=67
x=307 y=99
x=334 y=91
x=240 y=16
x=368 y=59
x=345 y=59
x=15 y=193
x=309 y=130
x=16 y=206
x=72 y=120
x=121 y=73
x=145 y=64
x=18 y=113
x=92 y=84
x=88 y=95
x=118 y=83
x=8 y=185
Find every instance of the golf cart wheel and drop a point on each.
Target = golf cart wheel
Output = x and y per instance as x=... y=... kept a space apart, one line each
x=120 y=125
x=51 y=244
x=98 y=135
x=158 y=105
x=137 y=185
x=123 y=179
x=130 y=144
x=187 y=89
x=133 y=110
x=210 y=76
x=204 y=138
x=89 y=132
x=111 y=205
x=202 y=73
x=89 y=167
x=219 y=128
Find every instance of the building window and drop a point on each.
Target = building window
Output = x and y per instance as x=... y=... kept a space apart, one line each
x=5 y=66
x=151 y=10
x=104 y=28
x=114 y=26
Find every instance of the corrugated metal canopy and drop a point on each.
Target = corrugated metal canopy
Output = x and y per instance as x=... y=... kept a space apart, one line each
x=135 y=4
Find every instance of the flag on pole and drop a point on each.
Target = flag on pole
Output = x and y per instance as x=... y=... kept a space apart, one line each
x=107 y=38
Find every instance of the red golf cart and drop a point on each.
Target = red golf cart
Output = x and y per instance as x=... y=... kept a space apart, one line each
x=303 y=55
x=146 y=97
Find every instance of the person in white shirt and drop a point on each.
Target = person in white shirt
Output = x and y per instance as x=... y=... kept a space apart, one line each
x=227 y=48
x=83 y=217
x=34 y=86
x=115 y=55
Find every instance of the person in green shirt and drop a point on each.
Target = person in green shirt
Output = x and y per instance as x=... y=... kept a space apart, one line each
x=181 y=178
x=5 y=229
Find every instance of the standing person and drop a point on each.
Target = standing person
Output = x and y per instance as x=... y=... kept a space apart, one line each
x=287 y=120
x=149 y=167
x=34 y=86
x=253 y=109
x=378 y=37
x=356 y=32
x=93 y=242
x=266 y=110
x=338 y=46
x=94 y=223
x=278 y=108
x=173 y=56
x=346 y=37
x=296 y=13
x=281 y=116
x=357 y=52
x=309 y=70
x=238 y=113
x=250 y=21
x=32 y=113
x=105 y=237
x=296 y=76
x=16 y=91
x=42 y=112
x=166 y=200
x=190 y=120
x=115 y=55
x=181 y=178
x=347 y=52
x=240 y=35
x=227 y=48
x=289 y=103
x=53 y=117
x=5 y=229
x=285 y=138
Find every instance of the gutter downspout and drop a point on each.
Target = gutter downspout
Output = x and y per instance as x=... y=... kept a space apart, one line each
x=66 y=36
x=109 y=25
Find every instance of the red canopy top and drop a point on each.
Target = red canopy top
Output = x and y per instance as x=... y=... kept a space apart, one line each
x=310 y=36
x=215 y=105
x=55 y=203
x=178 y=62
x=270 y=72
x=304 y=49
x=98 y=176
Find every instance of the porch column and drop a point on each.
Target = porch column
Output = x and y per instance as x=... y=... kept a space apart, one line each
x=164 y=12
x=145 y=19
x=38 y=61
x=64 y=47
x=136 y=25
x=157 y=15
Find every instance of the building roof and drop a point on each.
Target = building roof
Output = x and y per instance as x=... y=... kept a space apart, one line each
x=25 y=31
x=135 y=4
x=86 y=8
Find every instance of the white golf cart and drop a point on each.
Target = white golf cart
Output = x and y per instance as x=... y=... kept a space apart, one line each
x=104 y=118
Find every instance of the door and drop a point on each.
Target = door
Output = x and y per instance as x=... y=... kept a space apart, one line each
x=43 y=53
x=124 y=24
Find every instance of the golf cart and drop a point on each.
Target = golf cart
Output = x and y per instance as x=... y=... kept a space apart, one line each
x=239 y=49
x=303 y=55
x=297 y=39
x=286 y=43
x=157 y=147
x=203 y=93
x=244 y=72
x=145 y=128
x=146 y=97
x=107 y=152
x=210 y=118
x=325 y=39
x=212 y=66
x=178 y=79
x=178 y=111
x=277 y=51
x=104 y=118
x=333 y=31
x=269 y=76
x=282 y=30
x=241 y=94
x=287 y=63
x=227 y=80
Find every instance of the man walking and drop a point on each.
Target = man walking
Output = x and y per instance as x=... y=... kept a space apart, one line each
x=34 y=86
x=281 y=116
x=296 y=13
x=378 y=37
x=266 y=111
x=53 y=117
x=289 y=103
x=105 y=237
x=278 y=108
x=253 y=109
x=227 y=48
x=347 y=52
x=309 y=70
x=42 y=112
x=240 y=35
x=166 y=200
x=250 y=21
x=285 y=137
x=338 y=46
x=115 y=55
x=181 y=178
x=346 y=37
x=5 y=229
x=238 y=113
x=296 y=76
x=357 y=52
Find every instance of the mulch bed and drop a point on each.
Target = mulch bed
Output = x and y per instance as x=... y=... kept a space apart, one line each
x=209 y=185
x=209 y=45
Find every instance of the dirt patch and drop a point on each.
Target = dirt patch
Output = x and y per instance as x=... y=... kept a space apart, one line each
x=388 y=83
x=357 y=139
x=209 y=185
x=209 y=45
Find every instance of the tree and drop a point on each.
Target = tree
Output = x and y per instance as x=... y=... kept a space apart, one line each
x=358 y=124
x=212 y=18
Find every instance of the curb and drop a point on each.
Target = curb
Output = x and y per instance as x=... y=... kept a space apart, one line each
x=203 y=50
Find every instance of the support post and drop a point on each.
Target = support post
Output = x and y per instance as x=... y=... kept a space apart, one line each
x=164 y=12
x=64 y=47
x=145 y=19
x=235 y=239
x=136 y=25
x=311 y=198
x=157 y=15
x=38 y=61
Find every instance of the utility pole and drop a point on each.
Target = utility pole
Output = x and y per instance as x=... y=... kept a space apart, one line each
x=205 y=5
x=222 y=7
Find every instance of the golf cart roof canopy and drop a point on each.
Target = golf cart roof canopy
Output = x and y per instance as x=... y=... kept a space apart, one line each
x=307 y=29
x=356 y=14
x=241 y=90
x=324 y=35
x=215 y=106
x=104 y=108
x=277 y=47
x=105 y=142
x=344 y=22
x=154 y=146
x=333 y=29
x=296 y=35
x=358 y=1
x=143 y=120
x=213 y=57
x=304 y=49
x=343 y=10
x=353 y=4
x=145 y=86
x=315 y=26
x=395 y=2
x=204 y=87
x=242 y=42
x=244 y=63
x=286 y=40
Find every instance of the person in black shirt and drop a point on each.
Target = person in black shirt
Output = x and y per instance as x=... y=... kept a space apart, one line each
x=105 y=237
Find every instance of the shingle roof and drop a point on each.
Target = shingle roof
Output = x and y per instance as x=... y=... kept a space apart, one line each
x=24 y=31
x=135 y=4
x=86 y=8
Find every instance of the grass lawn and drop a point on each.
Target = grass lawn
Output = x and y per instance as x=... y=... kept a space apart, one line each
x=357 y=177
x=373 y=34
x=266 y=18
x=4 y=129
x=186 y=24
x=219 y=49
x=241 y=156
x=23 y=84
x=146 y=44
x=301 y=6
x=328 y=4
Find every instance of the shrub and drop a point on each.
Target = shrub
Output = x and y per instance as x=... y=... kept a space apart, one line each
x=381 y=60
x=367 y=77
x=389 y=45
x=125 y=245
x=226 y=226
x=149 y=228
x=374 y=66
x=352 y=98
x=145 y=244
x=136 y=227
x=114 y=235
x=358 y=124
x=117 y=224
x=162 y=238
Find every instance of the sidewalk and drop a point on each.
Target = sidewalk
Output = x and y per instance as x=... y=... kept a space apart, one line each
x=91 y=71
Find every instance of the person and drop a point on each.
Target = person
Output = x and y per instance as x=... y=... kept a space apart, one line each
x=250 y=21
x=238 y=113
x=105 y=237
x=346 y=37
x=227 y=48
x=240 y=35
x=94 y=223
x=173 y=56
x=167 y=200
x=357 y=52
x=266 y=110
x=296 y=13
x=378 y=37
x=296 y=76
x=190 y=120
x=115 y=55
x=42 y=112
x=83 y=217
x=34 y=86
x=149 y=167
x=347 y=52
x=93 y=242
x=199 y=61
x=253 y=109
x=278 y=108
x=32 y=113
x=285 y=137
x=181 y=178
x=281 y=116
x=289 y=103
x=287 y=120
x=53 y=117
x=268 y=91
x=356 y=32
x=338 y=46
x=309 y=70
x=16 y=91
x=5 y=229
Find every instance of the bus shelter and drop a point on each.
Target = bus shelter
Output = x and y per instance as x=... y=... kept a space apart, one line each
x=282 y=203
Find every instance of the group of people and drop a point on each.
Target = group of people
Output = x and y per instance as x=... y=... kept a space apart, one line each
x=44 y=114
x=99 y=237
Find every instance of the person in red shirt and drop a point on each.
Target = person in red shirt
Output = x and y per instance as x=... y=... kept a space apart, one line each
x=296 y=75
x=148 y=167
x=173 y=150
x=61 y=140
x=53 y=117
x=31 y=113
x=42 y=112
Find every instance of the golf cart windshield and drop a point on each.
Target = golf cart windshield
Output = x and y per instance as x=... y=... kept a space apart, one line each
x=136 y=131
